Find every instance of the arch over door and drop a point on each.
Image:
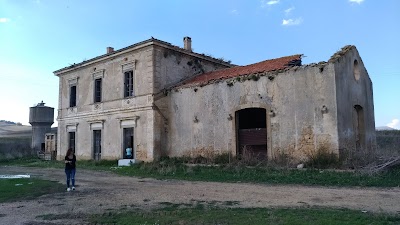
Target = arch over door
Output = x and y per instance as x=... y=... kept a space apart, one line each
x=251 y=132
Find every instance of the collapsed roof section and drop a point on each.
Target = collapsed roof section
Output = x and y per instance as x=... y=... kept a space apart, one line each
x=260 y=67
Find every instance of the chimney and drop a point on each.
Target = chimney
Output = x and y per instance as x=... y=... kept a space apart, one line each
x=110 y=50
x=187 y=43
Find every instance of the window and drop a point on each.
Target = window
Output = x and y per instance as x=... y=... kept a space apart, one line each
x=72 y=96
x=71 y=140
x=356 y=70
x=128 y=90
x=97 y=90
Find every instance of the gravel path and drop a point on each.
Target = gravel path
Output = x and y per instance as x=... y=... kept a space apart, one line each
x=100 y=192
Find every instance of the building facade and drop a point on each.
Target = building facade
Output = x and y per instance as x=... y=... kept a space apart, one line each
x=106 y=104
x=163 y=100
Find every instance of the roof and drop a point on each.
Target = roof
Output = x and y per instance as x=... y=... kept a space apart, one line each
x=260 y=67
x=151 y=40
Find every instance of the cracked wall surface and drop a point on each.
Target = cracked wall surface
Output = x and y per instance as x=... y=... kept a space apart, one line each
x=296 y=101
x=309 y=108
x=351 y=92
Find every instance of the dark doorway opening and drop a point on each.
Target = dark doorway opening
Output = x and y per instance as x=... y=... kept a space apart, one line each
x=71 y=141
x=128 y=143
x=251 y=126
x=97 y=145
x=359 y=127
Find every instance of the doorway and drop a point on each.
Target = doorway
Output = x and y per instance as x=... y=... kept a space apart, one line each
x=128 y=142
x=359 y=127
x=71 y=141
x=97 y=145
x=251 y=133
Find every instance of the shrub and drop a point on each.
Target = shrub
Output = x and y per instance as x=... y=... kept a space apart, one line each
x=322 y=159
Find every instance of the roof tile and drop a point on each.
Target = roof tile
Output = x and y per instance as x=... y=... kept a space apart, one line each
x=264 y=66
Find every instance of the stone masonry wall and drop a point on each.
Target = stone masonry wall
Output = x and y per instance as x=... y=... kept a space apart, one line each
x=352 y=92
x=301 y=113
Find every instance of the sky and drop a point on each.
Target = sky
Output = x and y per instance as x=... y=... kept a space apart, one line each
x=38 y=37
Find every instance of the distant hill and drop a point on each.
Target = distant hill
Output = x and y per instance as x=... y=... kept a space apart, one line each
x=16 y=129
x=6 y=122
x=11 y=129
x=384 y=128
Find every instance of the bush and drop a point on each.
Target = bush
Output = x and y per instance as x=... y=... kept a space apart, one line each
x=388 y=142
x=11 y=148
x=323 y=159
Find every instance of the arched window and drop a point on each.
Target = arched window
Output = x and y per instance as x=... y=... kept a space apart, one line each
x=356 y=70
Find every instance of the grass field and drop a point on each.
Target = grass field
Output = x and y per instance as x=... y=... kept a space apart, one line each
x=199 y=212
x=19 y=189
x=268 y=175
x=15 y=147
x=170 y=169
x=277 y=216
x=202 y=213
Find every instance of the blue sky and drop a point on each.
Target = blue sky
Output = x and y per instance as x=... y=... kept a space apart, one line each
x=38 y=37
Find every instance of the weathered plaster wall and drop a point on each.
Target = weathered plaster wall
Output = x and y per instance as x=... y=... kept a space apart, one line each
x=113 y=79
x=305 y=106
x=173 y=66
x=155 y=67
x=113 y=109
x=351 y=92
x=112 y=133
x=296 y=97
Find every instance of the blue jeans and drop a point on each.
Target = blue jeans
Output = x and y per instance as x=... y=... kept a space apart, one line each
x=70 y=176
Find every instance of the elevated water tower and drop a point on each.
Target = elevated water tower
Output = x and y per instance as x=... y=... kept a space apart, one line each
x=41 y=118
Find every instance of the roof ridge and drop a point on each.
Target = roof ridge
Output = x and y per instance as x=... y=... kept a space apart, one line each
x=138 y=44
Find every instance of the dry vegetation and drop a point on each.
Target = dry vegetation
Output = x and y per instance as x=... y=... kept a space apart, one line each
x=15 y=147
x=388 y=142
x=15 y=140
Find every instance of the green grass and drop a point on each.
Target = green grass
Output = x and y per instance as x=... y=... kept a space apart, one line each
x=35 y=162
x=19 y=189
x=267 y=175
x=16 y=139
x=173 y=169
x=277 y=216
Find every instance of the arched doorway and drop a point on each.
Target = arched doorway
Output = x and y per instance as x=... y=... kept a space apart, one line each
x=251 y=132
x=359 y=127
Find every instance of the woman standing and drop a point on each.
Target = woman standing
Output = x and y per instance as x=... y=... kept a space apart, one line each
x=70 y=160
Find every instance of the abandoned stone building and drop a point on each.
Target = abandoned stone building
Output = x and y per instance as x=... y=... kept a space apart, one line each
x=163 y=100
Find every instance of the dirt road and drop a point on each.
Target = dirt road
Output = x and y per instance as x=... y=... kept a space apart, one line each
x=100 y=192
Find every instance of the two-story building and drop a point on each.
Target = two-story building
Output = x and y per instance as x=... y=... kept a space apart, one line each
x=163 y=100
x=107 y=103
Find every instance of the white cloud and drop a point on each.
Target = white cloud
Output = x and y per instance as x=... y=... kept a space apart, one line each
x=287 y=11
x=4 y=20
x=292 y=22
x=394 y=124
x=273 y=2
x=234 y=11
x=265 y=3
x=356 y=1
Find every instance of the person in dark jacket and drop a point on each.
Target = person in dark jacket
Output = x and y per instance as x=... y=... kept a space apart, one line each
x=70 y=168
